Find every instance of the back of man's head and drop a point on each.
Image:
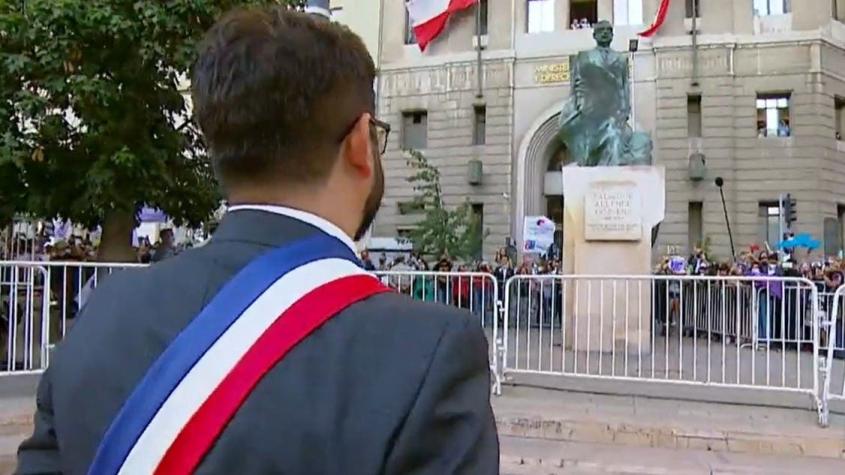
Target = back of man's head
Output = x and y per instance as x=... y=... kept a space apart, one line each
x=275 y=92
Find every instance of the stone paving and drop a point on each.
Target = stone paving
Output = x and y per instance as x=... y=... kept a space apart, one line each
x=547 y=431
x=521 y=456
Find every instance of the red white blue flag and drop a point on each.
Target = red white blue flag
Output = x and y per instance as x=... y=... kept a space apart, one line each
x=188 y=396
x=428 y=17
x=659 y=18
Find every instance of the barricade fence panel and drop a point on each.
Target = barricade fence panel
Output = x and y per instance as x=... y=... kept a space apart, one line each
x=40 y=300
x=38 y=304
x=477 y=292
x=833 y=354
x=728 y=331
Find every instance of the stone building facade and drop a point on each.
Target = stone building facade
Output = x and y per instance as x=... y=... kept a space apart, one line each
x=756 y=96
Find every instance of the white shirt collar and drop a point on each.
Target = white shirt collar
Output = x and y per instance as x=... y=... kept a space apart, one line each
x=304 y=216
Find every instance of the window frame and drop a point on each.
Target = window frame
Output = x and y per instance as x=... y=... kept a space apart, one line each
x=690 y=5
x=409 y=37
x=772 y=211
x=638 y=18
x=413 y=114
x=785 y=5
x=695 y=99
x=767 y=107
x=479 y=127
x=544 y=25
x=484 y=24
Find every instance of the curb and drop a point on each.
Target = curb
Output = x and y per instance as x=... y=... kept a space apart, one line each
x=669 y=438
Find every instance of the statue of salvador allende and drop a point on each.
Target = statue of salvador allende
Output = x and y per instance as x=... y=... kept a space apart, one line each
x=594 y=121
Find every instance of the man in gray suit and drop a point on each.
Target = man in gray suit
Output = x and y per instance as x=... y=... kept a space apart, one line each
x=388 y=385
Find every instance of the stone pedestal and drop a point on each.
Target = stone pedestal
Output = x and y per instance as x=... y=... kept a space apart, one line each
x=609 y=213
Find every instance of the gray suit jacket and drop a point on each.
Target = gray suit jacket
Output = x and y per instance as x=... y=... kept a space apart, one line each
x=390 y=385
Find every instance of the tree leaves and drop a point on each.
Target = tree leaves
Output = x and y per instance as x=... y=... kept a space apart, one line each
x=442 y=231
x=93 y=112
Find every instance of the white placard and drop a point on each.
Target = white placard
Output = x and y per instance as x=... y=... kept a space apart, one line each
x=538 y=233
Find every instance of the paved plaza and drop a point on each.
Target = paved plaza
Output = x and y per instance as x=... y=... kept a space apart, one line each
x=549 y=432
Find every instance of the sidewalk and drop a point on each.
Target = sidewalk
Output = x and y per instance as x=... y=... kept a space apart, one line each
x=522 y=456
x=663 y=423
x=548 y=431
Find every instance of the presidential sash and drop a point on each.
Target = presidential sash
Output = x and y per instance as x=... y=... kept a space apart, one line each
x=179 y=409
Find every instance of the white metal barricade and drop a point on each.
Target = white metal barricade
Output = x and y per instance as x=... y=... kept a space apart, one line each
x=38 y=301
x=474 y=291
x=759 y=333
x=832 y=366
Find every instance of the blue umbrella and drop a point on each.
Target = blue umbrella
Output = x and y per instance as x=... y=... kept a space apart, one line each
x=802 y=240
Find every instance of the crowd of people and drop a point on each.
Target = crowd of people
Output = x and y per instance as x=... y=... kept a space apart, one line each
x=43 y=248
x=827 y=273
x=582 y=24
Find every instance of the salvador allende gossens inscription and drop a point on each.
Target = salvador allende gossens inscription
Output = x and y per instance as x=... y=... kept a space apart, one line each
x=613 y=212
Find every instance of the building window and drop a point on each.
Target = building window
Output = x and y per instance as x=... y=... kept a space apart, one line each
x=479 y=126
x=694 y=116
x=414 y=130
x=410 y=207
x=478 y=217
x=541 y=16
x=773 y=115
x=482 y=11
x=693 y=6
x=771 y=7
x=695 y=225
x=839 y=104
x=410 y=37
x=840 y=218
x=585 y=13
x=770 y=223
x=628 y=12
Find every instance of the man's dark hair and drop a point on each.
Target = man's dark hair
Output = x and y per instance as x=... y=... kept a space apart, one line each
x=275 y=91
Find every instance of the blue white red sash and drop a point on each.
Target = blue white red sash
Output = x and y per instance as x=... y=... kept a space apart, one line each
x=180 y=407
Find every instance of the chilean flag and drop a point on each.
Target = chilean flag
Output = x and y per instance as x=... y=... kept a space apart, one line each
x=659 y=18
x=429 y=17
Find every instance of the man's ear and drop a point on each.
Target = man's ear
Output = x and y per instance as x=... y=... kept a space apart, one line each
x=357 y=147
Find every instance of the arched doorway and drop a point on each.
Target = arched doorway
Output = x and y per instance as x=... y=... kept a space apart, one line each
x=538 y=185
x=553 y=187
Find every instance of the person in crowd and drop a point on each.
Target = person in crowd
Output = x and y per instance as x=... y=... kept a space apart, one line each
x=444 y=283
x=423 y=286
x=166 y=246
x=461 y=287
x=368 y=263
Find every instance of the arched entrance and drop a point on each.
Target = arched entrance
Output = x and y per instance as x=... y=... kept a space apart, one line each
x=553 y=186
x=538 y=185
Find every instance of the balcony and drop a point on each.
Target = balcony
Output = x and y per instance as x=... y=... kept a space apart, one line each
x=764 y=25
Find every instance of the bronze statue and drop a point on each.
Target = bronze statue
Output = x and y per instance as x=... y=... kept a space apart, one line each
x=594 y=122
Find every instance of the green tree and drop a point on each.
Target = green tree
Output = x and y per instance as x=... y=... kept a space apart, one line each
x=95 y=121
x=442 y=230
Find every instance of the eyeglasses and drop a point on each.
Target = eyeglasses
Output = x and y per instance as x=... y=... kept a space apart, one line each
x=382 y=130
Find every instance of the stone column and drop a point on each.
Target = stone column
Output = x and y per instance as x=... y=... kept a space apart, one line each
x=608 y=217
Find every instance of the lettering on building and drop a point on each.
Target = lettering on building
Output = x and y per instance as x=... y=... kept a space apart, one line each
x=551 y=73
